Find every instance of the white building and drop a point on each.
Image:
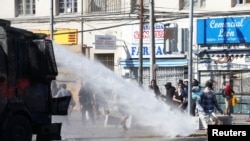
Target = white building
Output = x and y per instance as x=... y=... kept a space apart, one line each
x=111 y=35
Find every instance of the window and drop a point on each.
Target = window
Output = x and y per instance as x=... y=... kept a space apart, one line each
x=67 y=6
x=242 y=1
x=26 y=7
x=196 y=3
x=107 y=60
x=106 y=6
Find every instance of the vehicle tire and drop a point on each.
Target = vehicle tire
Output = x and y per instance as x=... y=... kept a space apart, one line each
x=18 y=129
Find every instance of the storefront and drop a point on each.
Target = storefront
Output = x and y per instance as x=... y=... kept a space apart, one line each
x=224 y=56
x=169 y=68
x=171 y=62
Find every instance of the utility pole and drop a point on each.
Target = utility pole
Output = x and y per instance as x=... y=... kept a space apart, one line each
x=190 y=57
x=141 y=44
x=152 y=41
x=51 y=20
x=82 y=24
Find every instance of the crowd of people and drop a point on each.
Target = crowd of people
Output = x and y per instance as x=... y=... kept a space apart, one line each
x=203 y=102
x=92 y=103
x=176 y=96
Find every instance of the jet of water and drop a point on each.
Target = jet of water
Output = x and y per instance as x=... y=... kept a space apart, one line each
x=140 y=102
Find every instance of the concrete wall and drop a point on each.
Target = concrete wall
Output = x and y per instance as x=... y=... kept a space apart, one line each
x=218 y=4
x=43 y=7
x=167 y=5
x=7 y=9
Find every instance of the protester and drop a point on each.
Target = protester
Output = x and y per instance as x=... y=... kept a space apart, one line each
x=180 y=99
x=184 y=86
x=87 y=102
x=123 y=109
x=102 y=107
x=206 y=104
x=63 y=91
x=170 y=91
x=196 y=89
x=153 y=86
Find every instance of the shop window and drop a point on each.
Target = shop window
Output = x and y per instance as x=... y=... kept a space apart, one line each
x=176 y=41
x=67 y=6
x=239 y=81
x=233 y=58
x=26 y=7
x=104 y=6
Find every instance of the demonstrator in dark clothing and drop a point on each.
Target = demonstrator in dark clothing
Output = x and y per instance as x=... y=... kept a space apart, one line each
x=87 y=101
x=170 y=91
x=206 y=104
x=153 y=86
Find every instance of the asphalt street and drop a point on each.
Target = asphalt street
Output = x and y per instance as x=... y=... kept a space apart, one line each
x=144 y=139
x=76 y=130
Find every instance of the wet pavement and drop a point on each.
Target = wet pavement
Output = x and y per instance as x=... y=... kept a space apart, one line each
x=76 y=129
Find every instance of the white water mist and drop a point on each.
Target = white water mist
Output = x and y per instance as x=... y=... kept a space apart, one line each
x=144 y=107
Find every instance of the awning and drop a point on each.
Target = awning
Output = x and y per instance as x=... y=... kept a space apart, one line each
x=160 y=62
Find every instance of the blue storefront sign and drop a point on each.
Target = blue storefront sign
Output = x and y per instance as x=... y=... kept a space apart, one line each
x=223 y=30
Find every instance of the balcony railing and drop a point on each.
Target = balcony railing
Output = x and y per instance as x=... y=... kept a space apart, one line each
x=105 y=6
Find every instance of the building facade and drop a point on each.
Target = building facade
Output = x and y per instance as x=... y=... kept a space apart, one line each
x=108 y=30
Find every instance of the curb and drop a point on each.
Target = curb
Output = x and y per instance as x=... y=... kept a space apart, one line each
x=197 y=135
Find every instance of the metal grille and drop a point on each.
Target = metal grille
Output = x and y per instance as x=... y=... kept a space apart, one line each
x=104 y=6
x=106 y=59
x=168 y=74
x=163 y=75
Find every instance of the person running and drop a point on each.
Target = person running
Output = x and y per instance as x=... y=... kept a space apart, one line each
x=206 y=104
x=122 y=107
x=87 y=101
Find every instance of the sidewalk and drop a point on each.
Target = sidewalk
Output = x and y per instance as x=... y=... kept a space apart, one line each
x=236 y=120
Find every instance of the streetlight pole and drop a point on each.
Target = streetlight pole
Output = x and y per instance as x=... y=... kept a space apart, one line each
x=152 y=41
x=190 y=57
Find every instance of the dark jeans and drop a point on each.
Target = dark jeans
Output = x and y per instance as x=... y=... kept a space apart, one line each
x=90 y=109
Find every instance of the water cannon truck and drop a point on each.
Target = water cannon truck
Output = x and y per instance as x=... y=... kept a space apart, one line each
x=27 y=68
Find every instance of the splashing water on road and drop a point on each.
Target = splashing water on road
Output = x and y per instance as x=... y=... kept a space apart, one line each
x=145 y=108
